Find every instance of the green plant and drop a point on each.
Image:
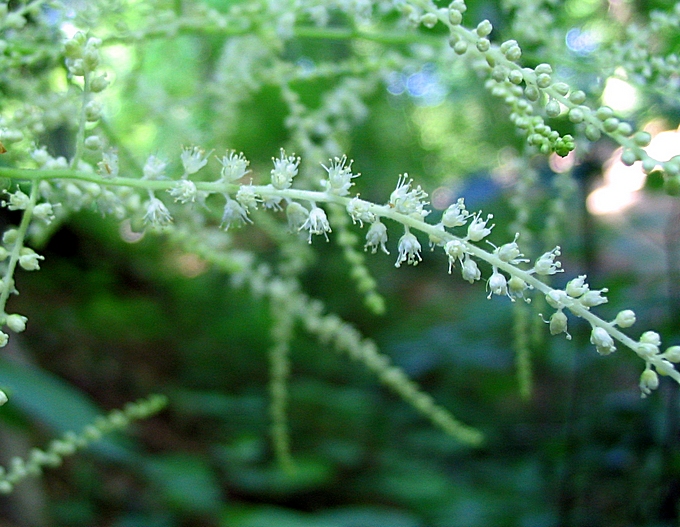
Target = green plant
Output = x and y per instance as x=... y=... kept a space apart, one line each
x=192 y=73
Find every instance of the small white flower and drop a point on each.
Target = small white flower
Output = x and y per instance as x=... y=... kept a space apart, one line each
x=546 y=264
x=359 y=211
x=497 y=284
x=509 y=252
x=193 y=159
x=593 y=298
x=376 y=237
x=234 y=166
x=408 y=200
x=17 y=201
x=184 y=191
x=154 y=168
x=602 y=340
x=409 y=250
x=470 y=271
x=577 y=286
x=339 y=176
x=651 y=337
x=516 y=287
x=558 y=324
x=649 y=380
x=455 y=250
x=234 y=214
x=108 y=166
x=16 y=323
x=247 y=197
x=477 y=230
x=29 y=260
x=157 y=214
x=456 y=215
x=625 y=318
x=285 y=169
x=44 y=212
x=316 y=223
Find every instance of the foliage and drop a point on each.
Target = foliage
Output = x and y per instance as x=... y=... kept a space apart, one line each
x=172 y=254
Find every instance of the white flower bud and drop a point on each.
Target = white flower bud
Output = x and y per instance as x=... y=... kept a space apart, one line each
x=649 y=381
x=602 y=340
x=651 y=337
x=3 y=398
x=558 y=323
x=672 y=354
x=29 y=260
x=470 y=270
x=16 y=323
x=625 y=318
x=577 y=286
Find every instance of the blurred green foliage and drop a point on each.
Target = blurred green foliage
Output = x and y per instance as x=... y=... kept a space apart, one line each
x=118 y=320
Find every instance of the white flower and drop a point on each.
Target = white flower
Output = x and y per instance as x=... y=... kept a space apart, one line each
x=234 y=166
x=193 y=159
x=157 y=214
x=546 y=264
x=234 y=214
x=478 y=230
x=29 y=260
x=470 y=271
x=593 y=298
x=16 y=323
x=339 y=176
x=44 y=212
x=184 y=191
x=376 y=236
x=516 y=287
x=625 y=318
x=558 y=323
x=154 y=168
x=407 y=200
x=285 y=169
x=108 y=166
x=247 y=197
x=455 y=250
x=497 y=284
x=359 y=211
x=602 y=340
x=17 y=201
x=649 y=381
x=316 y=223
x=577 y=286
x=455 y=215
x=409 y=250
x=509 y=252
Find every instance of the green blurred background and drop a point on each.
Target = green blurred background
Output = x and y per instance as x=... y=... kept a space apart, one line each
x=112 y=321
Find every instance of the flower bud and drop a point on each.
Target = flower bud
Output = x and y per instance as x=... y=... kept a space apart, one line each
x=16 y=323
x=625 y=318
x=602 y=340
